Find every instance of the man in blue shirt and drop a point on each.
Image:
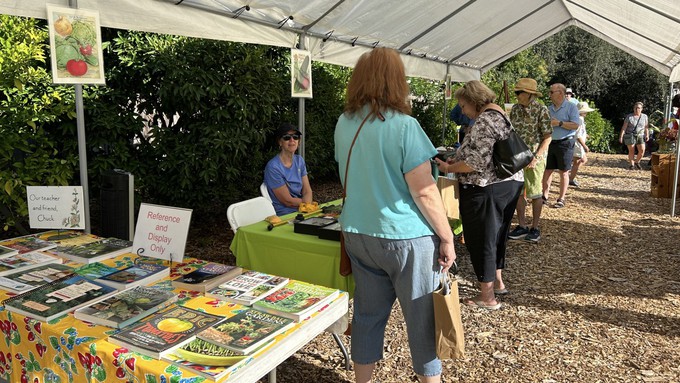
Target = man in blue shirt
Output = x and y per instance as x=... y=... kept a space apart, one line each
x=564 y=121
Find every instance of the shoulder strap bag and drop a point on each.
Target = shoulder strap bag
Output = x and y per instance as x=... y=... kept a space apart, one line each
x=511 y=154
x=345 y=264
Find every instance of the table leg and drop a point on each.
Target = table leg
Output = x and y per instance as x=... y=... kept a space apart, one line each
x=272 y=376
x=344 y=351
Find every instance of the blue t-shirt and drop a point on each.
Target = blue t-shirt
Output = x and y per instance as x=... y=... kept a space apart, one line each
x=277 y=175
x=378 y=201
x=565 y=112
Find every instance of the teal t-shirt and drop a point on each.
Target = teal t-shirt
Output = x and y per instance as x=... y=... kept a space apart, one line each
x=378 y=201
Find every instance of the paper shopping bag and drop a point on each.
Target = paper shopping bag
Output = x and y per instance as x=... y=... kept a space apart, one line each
x=449 y=336
x=449 y=191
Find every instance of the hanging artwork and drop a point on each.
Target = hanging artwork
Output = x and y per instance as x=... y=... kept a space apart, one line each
x=447 y=87
x=300 y=73
x=75 y=46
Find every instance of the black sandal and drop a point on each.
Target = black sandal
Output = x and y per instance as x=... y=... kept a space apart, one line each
x=559 y=203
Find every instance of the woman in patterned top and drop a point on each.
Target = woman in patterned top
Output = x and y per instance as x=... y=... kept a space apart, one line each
x=487 y=203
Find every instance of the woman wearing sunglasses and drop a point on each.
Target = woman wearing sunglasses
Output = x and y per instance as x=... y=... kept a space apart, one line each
x=286 y=174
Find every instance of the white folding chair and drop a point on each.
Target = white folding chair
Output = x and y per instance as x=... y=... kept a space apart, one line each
x=249 y=211
x=265 y=192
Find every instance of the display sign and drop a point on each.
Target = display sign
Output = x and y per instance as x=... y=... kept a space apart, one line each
x=300 y=73
x=75 y=46
x=161 y=232
x=55 y=207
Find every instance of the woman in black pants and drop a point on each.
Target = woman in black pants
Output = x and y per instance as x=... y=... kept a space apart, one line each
x=487 y=203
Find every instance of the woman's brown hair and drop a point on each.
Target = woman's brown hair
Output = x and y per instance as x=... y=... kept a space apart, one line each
x=476 y=93
x=379 y=81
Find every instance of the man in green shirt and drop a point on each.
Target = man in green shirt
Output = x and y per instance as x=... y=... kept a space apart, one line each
x=531 y=120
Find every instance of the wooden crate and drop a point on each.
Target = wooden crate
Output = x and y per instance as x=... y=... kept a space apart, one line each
x=663 y=166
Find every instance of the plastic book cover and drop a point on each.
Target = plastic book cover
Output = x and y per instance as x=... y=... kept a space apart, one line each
x=25 y=280
x=135 y=275
x=246 y=331
x=126 y=307
x=296 y=299
x=248 y=287
x=57 y=298
x=164 y=331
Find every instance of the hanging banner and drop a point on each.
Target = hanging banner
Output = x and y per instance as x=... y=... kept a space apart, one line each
x=300 y=73
x=161 y=232
x=55 y=207
x=75 y=46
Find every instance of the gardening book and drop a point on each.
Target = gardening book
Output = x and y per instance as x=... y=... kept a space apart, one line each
x=247 y=288
x=297 y=300
x=58 y=298
x=140 y=274
x=25 y=280
x=24 y=261
x=96 y=251
x=27 y=244
x=206 y=359
x=206 y=278
x=126 y=307
x=95 y=270
x=164 y=331
x=246 y=331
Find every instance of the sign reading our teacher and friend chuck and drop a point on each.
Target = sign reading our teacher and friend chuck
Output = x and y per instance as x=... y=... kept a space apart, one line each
x=161 y=232
x=55 y=207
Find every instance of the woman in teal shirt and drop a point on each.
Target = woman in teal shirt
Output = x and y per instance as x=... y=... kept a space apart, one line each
x=395 y=230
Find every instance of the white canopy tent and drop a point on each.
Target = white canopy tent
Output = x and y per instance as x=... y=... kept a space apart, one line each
x=462 y=38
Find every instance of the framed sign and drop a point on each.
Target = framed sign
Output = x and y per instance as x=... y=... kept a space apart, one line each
x=300 y=73
x=161 y=232
x=75 y=46
x=447 y=87
x=55 y=207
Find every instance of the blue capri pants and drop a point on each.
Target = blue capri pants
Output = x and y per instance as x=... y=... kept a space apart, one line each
x=385 y=270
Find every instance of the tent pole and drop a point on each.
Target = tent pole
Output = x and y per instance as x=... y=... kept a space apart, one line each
x=677 y=163
x=301 y=109
x=82 y=148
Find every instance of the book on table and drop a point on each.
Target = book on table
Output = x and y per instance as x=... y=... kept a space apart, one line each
x=126 y=307
x=206 y=359
x=297 y=300
x=24 y=261
x=96 y=251
x=206 y=277
x=7 y=251
x=164 y=331
x=139 y=274
x=95 y=270
x=246 y=331
x=28 y=243
x=25 y=280
x=248 y=287
x=58 y=298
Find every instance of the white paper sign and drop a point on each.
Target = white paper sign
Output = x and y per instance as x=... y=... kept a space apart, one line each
x=161 y=232
x=55 y=207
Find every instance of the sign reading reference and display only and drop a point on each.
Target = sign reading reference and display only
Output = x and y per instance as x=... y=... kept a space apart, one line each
x=161 y=232
x=55 y=207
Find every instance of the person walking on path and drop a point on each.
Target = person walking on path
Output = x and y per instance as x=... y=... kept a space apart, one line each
x=634 y=133
x=580 y=148
x=564 y=121
x=531 y=120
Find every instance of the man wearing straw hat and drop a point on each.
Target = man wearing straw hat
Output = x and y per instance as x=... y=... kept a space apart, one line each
x=531 y=120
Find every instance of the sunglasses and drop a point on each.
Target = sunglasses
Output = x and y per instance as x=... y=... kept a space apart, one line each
x=518 y=92
x=287 y=137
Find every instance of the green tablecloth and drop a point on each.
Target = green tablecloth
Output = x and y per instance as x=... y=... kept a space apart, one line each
x=286 y=253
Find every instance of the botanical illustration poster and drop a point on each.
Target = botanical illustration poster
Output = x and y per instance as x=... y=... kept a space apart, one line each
x=300 y=73
x=447 y=87
x=75 y=46
x=161 y=232
x=55 y=207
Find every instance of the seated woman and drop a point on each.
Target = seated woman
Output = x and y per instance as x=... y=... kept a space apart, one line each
x=286 y=174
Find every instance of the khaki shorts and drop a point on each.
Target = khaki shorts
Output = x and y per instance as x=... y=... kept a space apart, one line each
x=633 y=139
x=533 y=178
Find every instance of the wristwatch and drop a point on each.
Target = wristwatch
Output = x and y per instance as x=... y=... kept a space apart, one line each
x=560 y=124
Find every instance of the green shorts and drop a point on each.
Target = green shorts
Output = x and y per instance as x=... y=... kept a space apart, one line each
x=533 y=178
x=633 y=139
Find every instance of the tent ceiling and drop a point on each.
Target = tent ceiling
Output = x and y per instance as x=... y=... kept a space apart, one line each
x=461 y=37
